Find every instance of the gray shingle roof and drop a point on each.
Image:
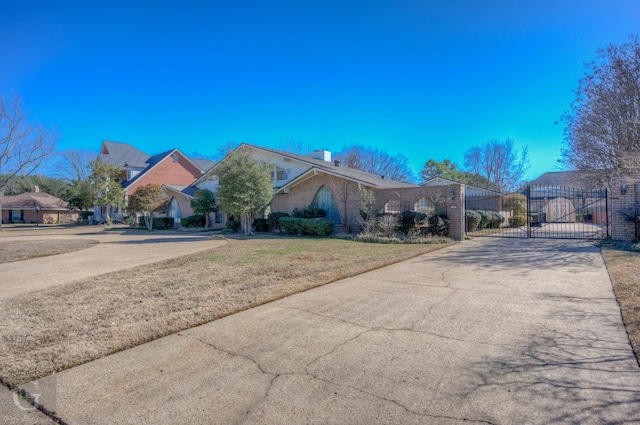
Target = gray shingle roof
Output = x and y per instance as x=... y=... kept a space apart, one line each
x=187 y=190
x=347 y=172
x=561 y=177
x=122 y=154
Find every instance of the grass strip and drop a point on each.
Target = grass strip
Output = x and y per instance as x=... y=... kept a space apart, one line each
x=624 y=268
x=24 y=250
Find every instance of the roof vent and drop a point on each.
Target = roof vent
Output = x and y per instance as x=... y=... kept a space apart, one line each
x=381 y=177
x=337 y=162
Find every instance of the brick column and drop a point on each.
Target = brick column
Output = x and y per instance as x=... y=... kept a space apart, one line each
x=621 y=229
x=455 y=211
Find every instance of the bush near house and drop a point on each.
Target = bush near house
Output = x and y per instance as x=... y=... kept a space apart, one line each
x=439 y=225
x=233 y=226
x=309 y=212
x=197 y=220
x=261 y=225
x=517 y=221
x=473 y=220
x=409 y=221
x=274 y=220
x=159 y=223
x=307 y=226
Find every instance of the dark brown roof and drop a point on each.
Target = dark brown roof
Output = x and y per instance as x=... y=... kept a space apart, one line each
x=29 y=200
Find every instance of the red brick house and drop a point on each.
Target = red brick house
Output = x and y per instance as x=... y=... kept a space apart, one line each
x=138 y=169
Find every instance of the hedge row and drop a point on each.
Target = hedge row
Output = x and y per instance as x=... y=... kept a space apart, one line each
x=159 y=223
x=307 y=226
x=480 y=219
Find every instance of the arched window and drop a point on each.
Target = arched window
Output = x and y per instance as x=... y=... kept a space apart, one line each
x=393 y=205
x=324 y=199
x=425 y=205
x=174 y=210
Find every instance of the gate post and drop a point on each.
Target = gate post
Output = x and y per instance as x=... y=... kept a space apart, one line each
x=623 y=201
x=456 y=213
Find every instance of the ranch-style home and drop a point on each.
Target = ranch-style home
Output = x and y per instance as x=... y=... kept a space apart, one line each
x=302 y=180
x=36 y=207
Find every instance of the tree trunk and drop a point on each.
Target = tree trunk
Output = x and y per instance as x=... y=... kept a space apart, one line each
x=206 y=220
x=148 y=220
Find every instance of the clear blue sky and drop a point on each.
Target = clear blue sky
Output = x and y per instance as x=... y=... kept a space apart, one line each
x=424 y=78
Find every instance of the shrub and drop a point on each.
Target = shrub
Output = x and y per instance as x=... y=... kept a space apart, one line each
x=387 y=224
x=233 y=226
x=517 y=221
x=309 y=212
x=261 y=225
x=84 y=215
x=485 y=219
x=496 y=219
x=274 y=220
x=193 y=221
x=439 y=225
x=583 y=217
x=410 y=220
x=130 y=221
x=473 y=220
x=307 y=226
x=159 y=223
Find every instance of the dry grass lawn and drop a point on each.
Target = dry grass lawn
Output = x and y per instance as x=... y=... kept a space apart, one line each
x=24 y=250
x=61 y=327
x=624 y=270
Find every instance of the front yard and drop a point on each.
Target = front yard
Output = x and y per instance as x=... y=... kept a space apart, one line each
x=61 y=327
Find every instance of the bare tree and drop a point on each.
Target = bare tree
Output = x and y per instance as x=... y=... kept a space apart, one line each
x=376 y=161
x=602 y=133
x=73 y=164
x=24 y=145
x=499 y=162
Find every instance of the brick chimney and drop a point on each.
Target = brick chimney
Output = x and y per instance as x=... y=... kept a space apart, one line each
x=36 y=188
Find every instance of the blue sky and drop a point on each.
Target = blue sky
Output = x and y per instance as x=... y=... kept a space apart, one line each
x=422 y=78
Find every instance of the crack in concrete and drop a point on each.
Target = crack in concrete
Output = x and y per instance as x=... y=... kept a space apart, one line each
x=402 y=406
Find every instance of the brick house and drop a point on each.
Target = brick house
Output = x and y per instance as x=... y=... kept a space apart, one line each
x=36 y=207
x=138 y=169
x=300 y=181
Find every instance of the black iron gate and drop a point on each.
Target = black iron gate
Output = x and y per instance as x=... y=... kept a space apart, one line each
x=539 y=211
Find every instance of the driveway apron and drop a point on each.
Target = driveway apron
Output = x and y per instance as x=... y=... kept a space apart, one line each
x=494 y=331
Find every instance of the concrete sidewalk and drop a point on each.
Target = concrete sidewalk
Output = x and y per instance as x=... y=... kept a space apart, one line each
x=115 y=251
x=498 y=331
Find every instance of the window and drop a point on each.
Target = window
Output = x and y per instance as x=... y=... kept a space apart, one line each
x=175 y=157
x=174 y=210
x=425 y=206
x=393 y=205
x=324 y=199
x=279 y=175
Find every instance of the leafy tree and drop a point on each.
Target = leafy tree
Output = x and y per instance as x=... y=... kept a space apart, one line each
x=81 y=196
x=24 y=145
x=602 y=133
x=448 y=170
x=146 y=200
x=204 y=202
x=376 y=161
x=245 y=187
x=105 y=186
x=50 y=185
x=499 y=162
x=445 y=169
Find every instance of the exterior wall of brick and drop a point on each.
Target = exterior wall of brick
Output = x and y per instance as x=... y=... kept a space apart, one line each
x=347 y=198
x=44 y=217
x=168 y=171
x=629 y=203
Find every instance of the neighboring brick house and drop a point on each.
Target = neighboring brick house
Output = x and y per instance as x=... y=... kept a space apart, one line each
x=300 y=181
x=36 y=207
x=138 y=169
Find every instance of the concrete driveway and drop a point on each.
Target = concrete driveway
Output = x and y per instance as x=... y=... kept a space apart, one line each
x=117 y=250
x=494 y=331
